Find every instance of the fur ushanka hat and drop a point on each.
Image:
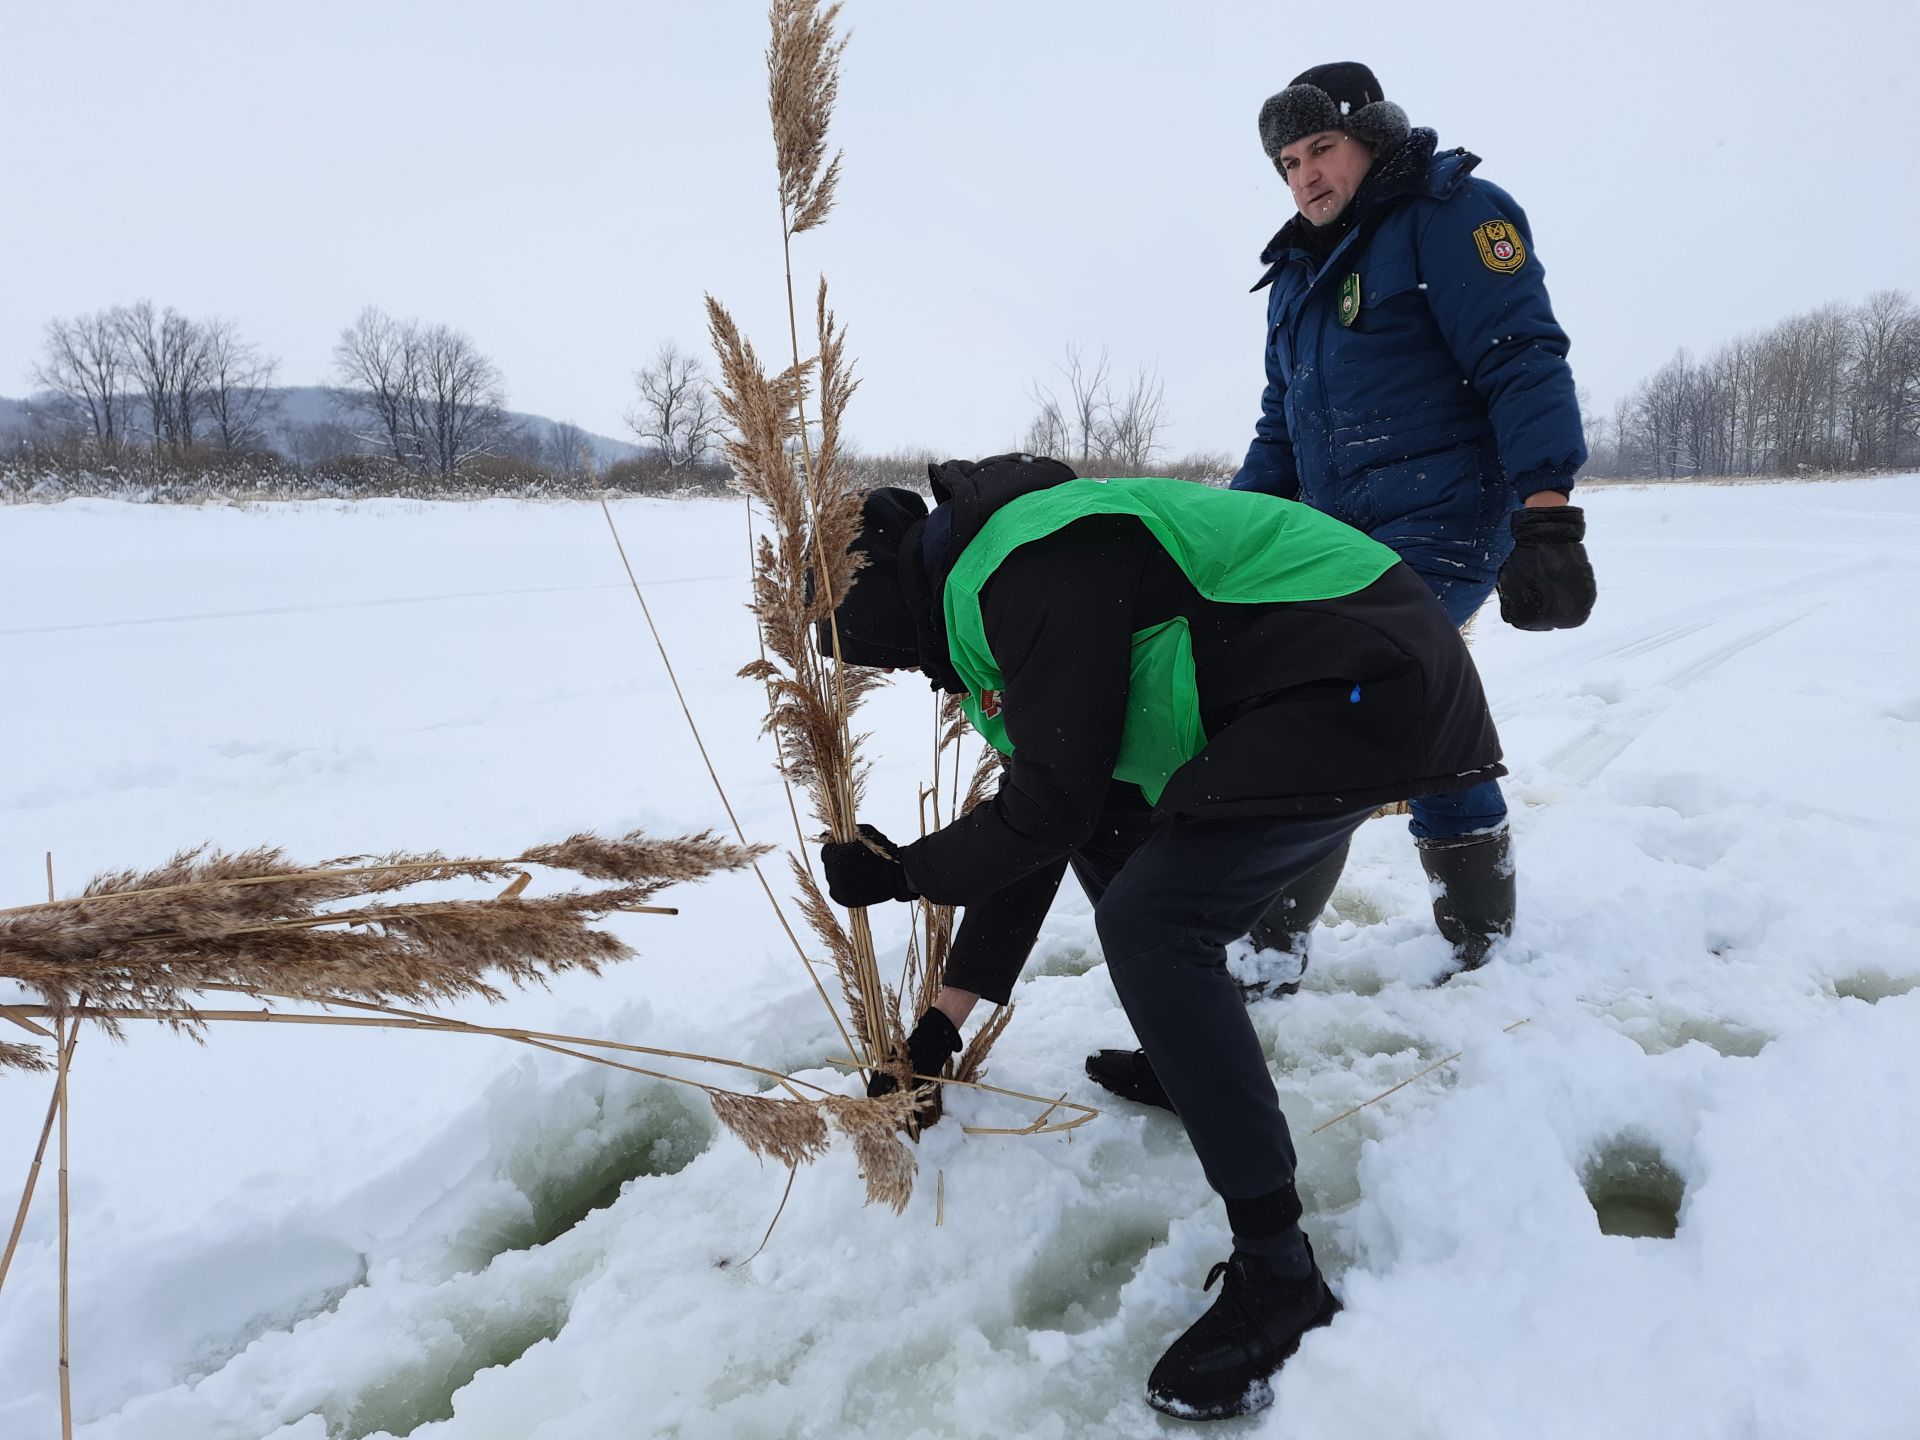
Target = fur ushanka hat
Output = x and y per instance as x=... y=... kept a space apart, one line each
x=1342 y=96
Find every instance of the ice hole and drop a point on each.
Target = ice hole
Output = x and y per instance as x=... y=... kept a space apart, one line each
x=1067 y=960
x=657 y=1129
x=1873 y=986
x=1671 y=1032
x=1076 y=1284
x=1633 y=1190
x=422 y=1392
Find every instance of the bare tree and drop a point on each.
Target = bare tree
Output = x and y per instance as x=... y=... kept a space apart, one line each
x=1135 y=422
x=82 y=365
x=238 y=397
x=377 y=362
x=166 y=354
x=459 y=408
x=1049 y=434
x=676 y=412
x=424 y=394
x=1075 y=429
x=1093 y=428
x=566 y=448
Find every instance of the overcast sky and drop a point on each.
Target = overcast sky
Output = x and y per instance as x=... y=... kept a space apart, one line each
x=564 y=180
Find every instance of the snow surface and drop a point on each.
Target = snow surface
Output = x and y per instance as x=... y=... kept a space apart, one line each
x=302 y=1233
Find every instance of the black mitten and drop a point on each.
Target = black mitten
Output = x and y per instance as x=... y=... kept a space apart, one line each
x=1547 y=582
x=932 y=1041
x=864 y=871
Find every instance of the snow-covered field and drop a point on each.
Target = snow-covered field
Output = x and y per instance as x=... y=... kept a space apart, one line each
x=304 y=1233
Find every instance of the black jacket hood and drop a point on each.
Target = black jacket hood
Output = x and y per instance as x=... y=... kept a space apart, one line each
x=966 y=495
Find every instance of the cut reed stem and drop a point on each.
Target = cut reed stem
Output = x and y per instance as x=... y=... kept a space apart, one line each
x=39 y=1157
x=714 y=775
x=61 y=1093
x=1391 y=1089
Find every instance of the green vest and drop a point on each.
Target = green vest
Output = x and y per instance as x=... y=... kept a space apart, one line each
x=1236 y=546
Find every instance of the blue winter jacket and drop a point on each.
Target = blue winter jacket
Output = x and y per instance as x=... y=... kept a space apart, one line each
x=1417 y=382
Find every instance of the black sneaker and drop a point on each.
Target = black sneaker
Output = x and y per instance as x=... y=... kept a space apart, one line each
x=1221 y=1366
x=1128 y=1074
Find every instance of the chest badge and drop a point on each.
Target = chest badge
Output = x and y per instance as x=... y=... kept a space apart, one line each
x=1350 y=298
x=1501 y=248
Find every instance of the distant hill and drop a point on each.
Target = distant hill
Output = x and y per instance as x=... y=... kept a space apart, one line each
x=307 y=405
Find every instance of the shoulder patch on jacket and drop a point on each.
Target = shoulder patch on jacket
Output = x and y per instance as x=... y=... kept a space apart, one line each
x=1501 y=248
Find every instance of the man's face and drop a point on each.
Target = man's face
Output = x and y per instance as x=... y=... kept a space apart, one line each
x=1323 y=171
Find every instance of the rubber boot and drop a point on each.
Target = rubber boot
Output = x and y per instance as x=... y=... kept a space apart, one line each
x=1276 y=961
x=1474 y=906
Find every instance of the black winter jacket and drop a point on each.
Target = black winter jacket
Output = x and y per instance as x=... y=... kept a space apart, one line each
x=1275 y=682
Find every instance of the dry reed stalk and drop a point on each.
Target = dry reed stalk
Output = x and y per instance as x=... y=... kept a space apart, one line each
x=793 y=581
x=61 y=1094
x=1392 y=1089
x=686 y=710
x=1082 y=1113
x=515 y=1032
x=790 y=1130
x=33 y=1170
x=793 y=1172
x=779 y=749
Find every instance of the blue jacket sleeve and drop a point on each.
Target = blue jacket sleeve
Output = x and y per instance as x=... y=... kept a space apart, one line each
x=1492 y=309
x=1269 y=467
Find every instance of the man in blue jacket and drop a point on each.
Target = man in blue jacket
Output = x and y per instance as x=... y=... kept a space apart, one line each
x=1418 y=389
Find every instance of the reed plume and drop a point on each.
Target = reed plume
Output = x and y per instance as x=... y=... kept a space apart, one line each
x=803 y=81
x=259 y=923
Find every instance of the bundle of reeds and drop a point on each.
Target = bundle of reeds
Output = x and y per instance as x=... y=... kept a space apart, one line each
x=796 y=472
x=138 y=943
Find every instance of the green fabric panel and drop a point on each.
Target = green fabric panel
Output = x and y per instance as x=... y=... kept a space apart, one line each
x=1235 y=546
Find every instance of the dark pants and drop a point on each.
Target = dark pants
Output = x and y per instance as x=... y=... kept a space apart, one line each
x=1168 y=898
x=1460 y=812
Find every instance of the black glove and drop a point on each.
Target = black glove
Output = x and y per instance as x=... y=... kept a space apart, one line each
x=864 y=874
x=932 y=1041
x=1547 y=582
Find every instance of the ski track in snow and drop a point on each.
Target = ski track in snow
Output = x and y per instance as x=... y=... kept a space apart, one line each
x=312 y=1235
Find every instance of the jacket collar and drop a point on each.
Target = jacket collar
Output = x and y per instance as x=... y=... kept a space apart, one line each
x=1412 y=168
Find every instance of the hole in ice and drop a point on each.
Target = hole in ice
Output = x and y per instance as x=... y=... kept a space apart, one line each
x=1076 y=1284
x=1355 y=908
x=1067 y=960
x=559 y=1175
x=1289 y=1049
x=1633 y=1190
x=1873 y=986
x=1359 y=978
x=1658 y=1035
x=442 y=1361
x=654 y=1129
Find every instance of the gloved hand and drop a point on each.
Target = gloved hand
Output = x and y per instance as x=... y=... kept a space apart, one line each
x=1547 y=582
x=864 y=872
x=932 y=1041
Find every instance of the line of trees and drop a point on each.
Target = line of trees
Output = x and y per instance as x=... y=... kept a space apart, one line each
x=132 y=375
x=1834 y=389
x=142 y=387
